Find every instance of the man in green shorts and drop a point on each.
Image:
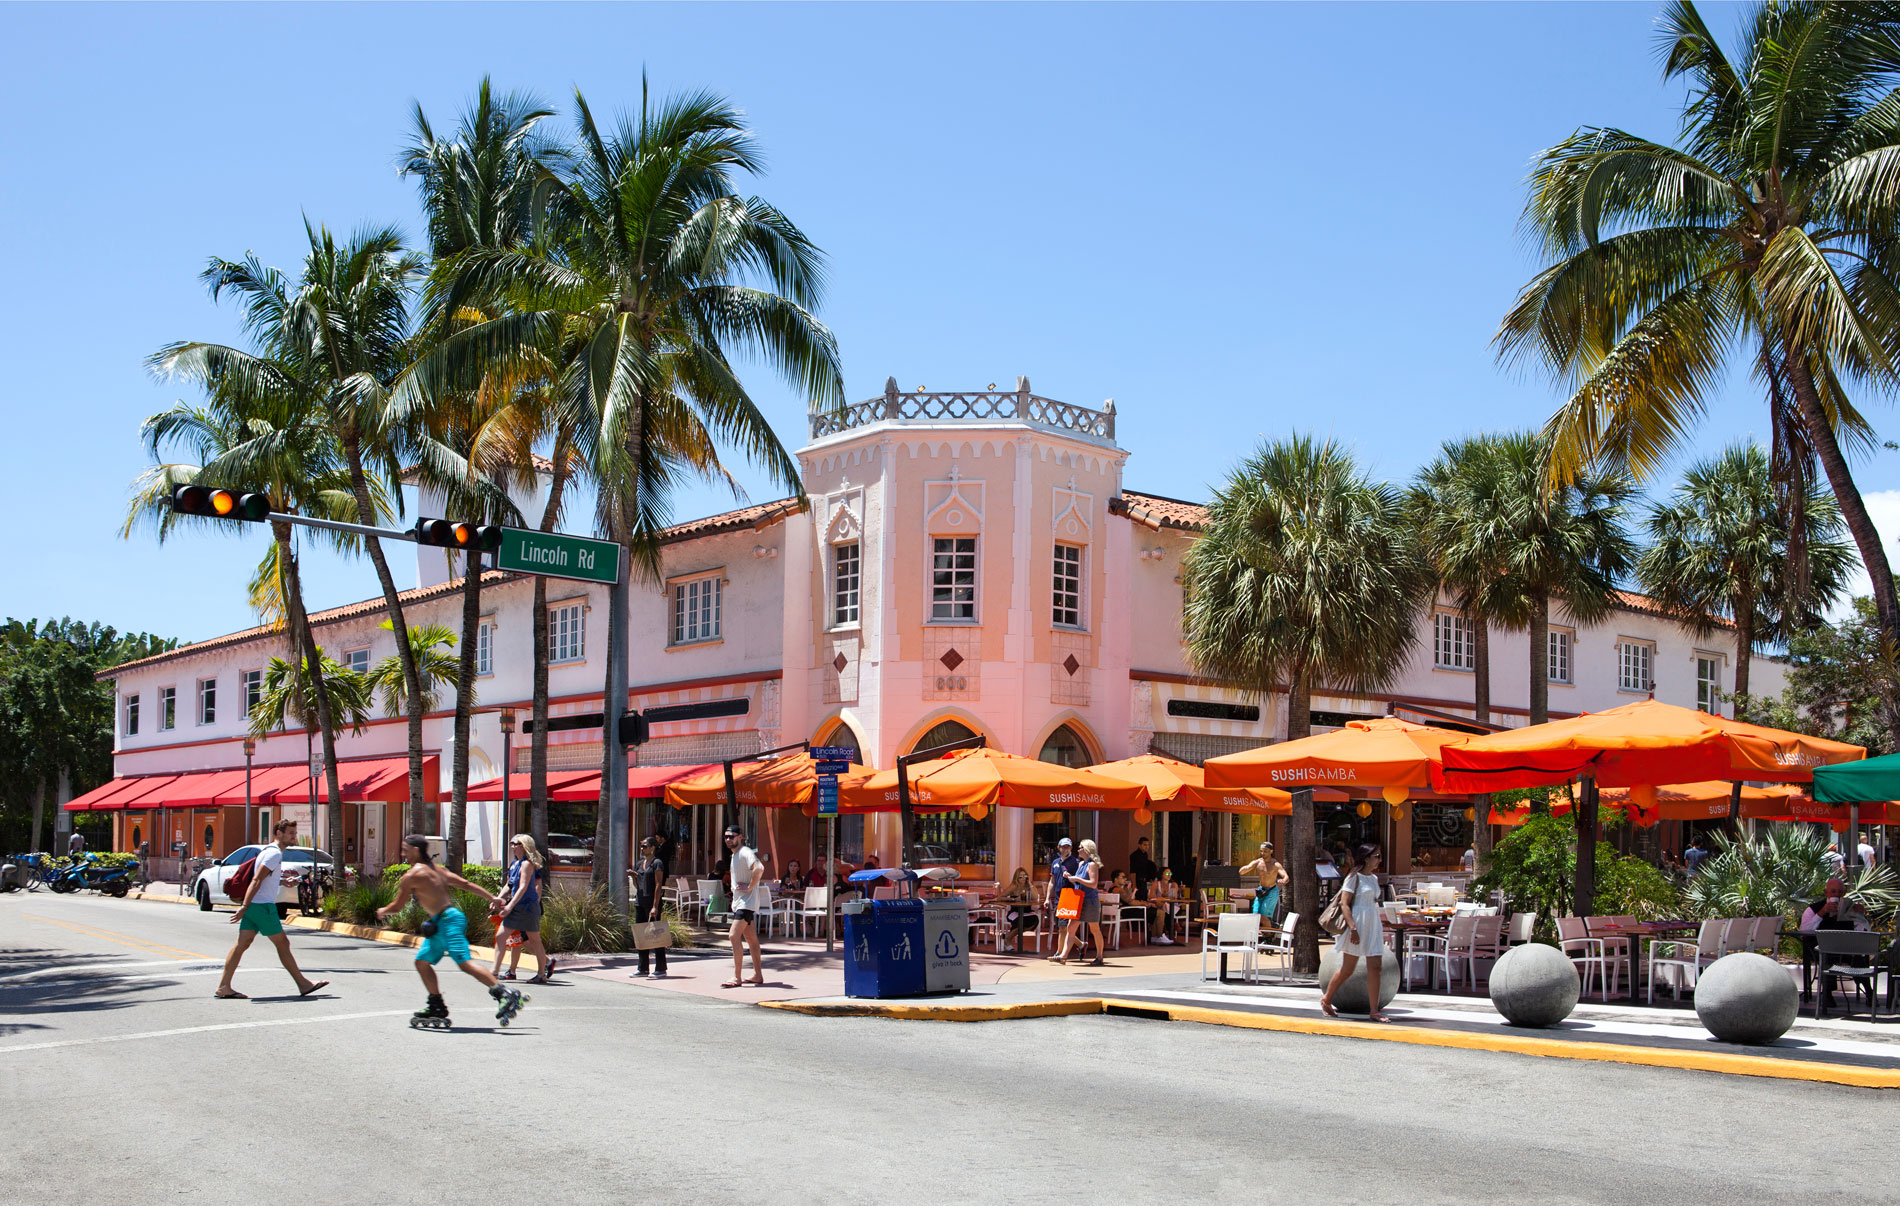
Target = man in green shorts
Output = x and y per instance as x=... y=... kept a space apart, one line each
x=258 y=915
x=445 y=933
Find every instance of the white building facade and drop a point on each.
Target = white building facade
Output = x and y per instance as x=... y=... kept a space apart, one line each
x=962 y=564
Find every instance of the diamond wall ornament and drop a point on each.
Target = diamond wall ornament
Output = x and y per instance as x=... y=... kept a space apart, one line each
x=951 y=659
x=839 y=663
x=1071 y=665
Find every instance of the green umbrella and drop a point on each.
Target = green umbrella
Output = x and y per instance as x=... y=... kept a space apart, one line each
x=1858 y=782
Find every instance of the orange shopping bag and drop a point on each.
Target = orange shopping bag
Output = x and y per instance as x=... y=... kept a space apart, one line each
x=1069 y=904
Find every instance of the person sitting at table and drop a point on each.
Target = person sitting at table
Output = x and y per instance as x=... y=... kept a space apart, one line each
x=794 y=882
x=815 y=878
x=1166 y=895
x=1020 y=915
x=1123 y=885
x=1833 y=911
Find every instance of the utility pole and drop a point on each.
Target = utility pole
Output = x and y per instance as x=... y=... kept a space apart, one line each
x=619 y=682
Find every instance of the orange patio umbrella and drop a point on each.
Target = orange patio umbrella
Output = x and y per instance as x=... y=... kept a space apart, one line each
x=1788 y=804
x=1176 y=786
x=1646 y=742
x=790 y=782
x=1704 y=801
x=980 y=779
x=1388 y=753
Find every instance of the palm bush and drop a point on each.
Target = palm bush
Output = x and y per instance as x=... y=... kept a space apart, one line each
x=357 y=905
x=587 y=922
x=1776 y=874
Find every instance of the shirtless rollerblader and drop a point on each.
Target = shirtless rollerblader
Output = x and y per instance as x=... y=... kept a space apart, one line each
x=444 y=933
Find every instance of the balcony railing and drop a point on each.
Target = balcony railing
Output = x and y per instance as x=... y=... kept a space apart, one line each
x=968 y=406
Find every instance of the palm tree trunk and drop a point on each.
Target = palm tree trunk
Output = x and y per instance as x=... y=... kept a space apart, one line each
x=1481 y=711
x=1300 y=863
x=1540 y=657
x=301 y=635
x=464 y=707
x=39 y=811
x=392 y=603
x=1744 y=654
x=1583 y=901
x=1873 y=554
x=538 y=746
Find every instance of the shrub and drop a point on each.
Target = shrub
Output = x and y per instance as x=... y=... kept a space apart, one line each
x=1628 y=886
x=1774 y=875
x=357 y=905
x=575 y=922
x=1536 y=869
x=479 y=874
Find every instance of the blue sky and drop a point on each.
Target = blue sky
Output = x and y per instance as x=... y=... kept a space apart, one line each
x=1237 y=221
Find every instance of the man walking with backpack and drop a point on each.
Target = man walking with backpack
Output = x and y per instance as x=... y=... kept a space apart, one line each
x=445 y=932
x=257 y=914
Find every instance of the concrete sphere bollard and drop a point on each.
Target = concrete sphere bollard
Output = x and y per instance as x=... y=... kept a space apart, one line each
x=1534 y=985
x=1351 y=997
x=1746 y=998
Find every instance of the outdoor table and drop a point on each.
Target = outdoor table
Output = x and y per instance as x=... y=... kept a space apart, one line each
x=1636 y=933
x=1423 y=923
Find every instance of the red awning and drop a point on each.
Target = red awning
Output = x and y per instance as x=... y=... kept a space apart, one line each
x=194 y=790
x=377 y=779
x=102 y=796
x=581 y=787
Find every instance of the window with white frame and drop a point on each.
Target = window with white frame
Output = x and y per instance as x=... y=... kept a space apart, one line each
x=696 y=609
x=253 y=690
x=131 y=716
x=1067 y=608
x=1708 y=683
x=1558 y=670
x=847 y=577
x=1635 y=663
x=485 y=647
x=566 y=632
x=356 y=660
x=167 y=708
x=207 y=701
x=1454 y=642
x=953 y=578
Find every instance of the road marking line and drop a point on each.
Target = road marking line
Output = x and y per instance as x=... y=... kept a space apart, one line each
x=536 y=1011
x=31 y=984
x=5 y=980
x=157 y=948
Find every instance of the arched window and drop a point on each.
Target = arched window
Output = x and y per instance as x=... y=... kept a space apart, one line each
x=841 y=737
x=1065 y=747
x=943 y=733
x=850 y=827
x=952 y=838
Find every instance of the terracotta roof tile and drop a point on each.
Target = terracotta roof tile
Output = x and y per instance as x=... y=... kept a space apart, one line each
x=1160 y=511
x=757 y=517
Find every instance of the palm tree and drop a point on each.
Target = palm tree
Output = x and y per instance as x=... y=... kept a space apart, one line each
x=1772 y=227
x=336 y=338
x=272 y=442
x=428 y=651
x=1564 y=544
x=336 y=696
x=1719 y=550
x=646 y=283
x=1307 y=574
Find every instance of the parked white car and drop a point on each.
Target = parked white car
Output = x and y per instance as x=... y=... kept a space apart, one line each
x=208 y=888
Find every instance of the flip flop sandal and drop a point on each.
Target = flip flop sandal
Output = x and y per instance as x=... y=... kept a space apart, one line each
x=733 y=984
x=230 y=996
x=314 y=987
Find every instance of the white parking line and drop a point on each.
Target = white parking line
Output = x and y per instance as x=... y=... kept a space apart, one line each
x=533 y=1012
x=31 y=984
x=105 y=967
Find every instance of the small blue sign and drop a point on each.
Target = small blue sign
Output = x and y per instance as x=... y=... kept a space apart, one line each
x=827 y=795
x=832 y=753
x=832 y=768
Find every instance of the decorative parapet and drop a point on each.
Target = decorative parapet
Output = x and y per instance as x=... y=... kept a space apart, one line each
x=968 y=406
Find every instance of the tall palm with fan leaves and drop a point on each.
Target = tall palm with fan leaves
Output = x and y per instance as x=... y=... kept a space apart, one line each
x=1770 y=228
x=1308 y=574
x=651 y=275
x=336 y=336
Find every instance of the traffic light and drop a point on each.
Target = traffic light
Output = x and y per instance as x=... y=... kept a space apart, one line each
x=215 y=502
x=633 y=728
x=443 y=533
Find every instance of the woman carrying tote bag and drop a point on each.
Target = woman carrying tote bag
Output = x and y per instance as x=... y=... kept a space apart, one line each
x=1364 y=936
x=648 y=875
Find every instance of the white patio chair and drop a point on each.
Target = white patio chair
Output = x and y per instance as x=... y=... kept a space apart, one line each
x=1441 y=897
x=816 y=907
x=1280 y=944
x=1458 y=942
x=782 y=915
x=1684 y=959
x=1767 y=937
x=1134 y=920
x=1488 y=945
x=684 y=898
x=1737 y=934
x=1235 y=934
x=1522 y=926
x=707 y=889
x=1586 y=953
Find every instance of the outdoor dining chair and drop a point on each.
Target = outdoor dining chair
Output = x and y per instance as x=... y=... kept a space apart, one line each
x=1522 y=927
x=1685 y=960
x=707 y=889
x=1134 y=920
x=1279 y=944
x=1458 y=942
x=1587 y=954
x=1235 y=934
x=815 y=908
x=1738 y=934
x=1848 y=955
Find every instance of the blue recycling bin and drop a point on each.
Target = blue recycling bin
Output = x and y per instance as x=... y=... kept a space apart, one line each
x=884 y=948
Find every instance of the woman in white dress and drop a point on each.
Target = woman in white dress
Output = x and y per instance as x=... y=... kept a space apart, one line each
x=1365 y=934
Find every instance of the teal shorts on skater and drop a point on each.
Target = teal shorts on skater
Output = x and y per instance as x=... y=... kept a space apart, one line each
x=450 y=938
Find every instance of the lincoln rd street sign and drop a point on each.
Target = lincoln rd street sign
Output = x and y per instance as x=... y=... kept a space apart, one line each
x=558 y=556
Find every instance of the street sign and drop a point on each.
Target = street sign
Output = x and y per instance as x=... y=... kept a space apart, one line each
x=831 y=753
x=557 y=555
x=831 y=768
x=827 y=795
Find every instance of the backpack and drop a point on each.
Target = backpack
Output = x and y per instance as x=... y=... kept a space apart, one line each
x=240 y=881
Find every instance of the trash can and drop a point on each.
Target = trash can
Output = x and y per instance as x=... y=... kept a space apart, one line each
x=947 y=945
x=884 y=948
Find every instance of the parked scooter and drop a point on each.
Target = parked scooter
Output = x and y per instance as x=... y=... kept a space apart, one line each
x=103 y=877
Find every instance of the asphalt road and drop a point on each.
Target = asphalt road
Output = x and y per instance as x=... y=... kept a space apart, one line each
x=123 y=1078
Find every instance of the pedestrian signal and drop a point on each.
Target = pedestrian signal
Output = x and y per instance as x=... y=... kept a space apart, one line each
x=447 y=534
x=215 y=502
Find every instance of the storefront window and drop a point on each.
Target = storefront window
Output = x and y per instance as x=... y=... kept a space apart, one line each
x=950 y=837
x=1065 y=747
x=1440 y=835
x=943 y=733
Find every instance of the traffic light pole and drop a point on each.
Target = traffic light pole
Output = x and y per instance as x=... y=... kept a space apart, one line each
x=361 y=529
x=619 y=682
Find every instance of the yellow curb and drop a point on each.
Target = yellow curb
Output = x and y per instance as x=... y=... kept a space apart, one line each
x=166 y=898
x=1726 y=1063
x=940 y=1013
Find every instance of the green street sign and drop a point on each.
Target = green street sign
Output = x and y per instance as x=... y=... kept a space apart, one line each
x=557 y=555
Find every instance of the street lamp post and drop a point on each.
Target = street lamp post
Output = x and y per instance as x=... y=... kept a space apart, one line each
x=507 y=773
x=250 y=822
